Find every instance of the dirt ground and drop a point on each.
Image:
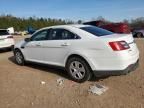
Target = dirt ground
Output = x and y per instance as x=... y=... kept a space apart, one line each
x=20 y=87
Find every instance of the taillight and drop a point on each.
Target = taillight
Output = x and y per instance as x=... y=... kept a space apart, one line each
x=119 y=45
x=10 y=37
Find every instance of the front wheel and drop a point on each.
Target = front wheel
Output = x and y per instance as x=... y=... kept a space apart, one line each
x=19 y=57
x=78 y=69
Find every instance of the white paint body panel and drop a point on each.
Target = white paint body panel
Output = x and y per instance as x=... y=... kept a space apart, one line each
x=6 y=42
x=95 y=50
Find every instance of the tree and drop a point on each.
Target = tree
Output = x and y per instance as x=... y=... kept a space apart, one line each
x=101 y=18
x=137 y=23
x=22 y=23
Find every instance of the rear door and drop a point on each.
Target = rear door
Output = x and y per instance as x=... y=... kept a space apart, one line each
x=3 y=37
x=58 y=46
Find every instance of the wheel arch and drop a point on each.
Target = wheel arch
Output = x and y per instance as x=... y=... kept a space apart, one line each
x=79 y=56
x=18 y=49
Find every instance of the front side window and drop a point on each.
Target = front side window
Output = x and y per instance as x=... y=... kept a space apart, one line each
x=40 y=36
x=62 y=34
x=96 y=31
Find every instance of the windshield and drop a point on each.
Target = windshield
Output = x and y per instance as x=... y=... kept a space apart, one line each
x=96 y=31
x=3 y=32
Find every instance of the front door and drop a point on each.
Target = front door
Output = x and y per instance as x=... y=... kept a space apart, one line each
x=34 y=50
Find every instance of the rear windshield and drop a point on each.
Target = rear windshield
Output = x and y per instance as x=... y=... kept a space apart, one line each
x=4 y=32
x=96 y=31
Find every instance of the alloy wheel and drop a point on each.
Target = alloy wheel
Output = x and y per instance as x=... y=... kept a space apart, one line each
x=77 y=70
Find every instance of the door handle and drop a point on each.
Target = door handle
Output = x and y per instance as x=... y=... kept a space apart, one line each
x=38 y=45
x=65 y=44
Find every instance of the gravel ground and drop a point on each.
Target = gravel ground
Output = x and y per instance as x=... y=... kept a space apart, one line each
x=21 y=87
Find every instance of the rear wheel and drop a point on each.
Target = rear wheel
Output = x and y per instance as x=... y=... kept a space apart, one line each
x=78 y=69
x=139 y=35
x=19 y=57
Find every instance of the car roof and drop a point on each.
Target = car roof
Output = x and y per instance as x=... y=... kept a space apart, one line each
x=65 y=26
x=79 y=25
x=75 y=28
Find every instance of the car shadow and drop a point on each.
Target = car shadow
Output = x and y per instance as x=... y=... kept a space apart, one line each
x=5 y=50
x=93 y=79
x=54 y=69
x=46 y=68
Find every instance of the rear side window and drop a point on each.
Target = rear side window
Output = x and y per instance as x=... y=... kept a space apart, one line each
x=96 y=31
x=62 y=34
x=4 y=32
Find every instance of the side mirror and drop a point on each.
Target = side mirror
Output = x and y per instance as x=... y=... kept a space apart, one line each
x=27 y=39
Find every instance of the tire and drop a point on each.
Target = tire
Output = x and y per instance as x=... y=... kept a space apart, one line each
x=139 y=35
x=78 y=69
x=19 y=58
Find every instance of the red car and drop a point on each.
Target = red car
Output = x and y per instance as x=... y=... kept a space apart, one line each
x=114 y=27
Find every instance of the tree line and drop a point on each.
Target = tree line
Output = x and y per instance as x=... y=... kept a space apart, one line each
x=20 y=24
x=23 y=23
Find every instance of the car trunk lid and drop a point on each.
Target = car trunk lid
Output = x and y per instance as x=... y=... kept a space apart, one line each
x=128 y=38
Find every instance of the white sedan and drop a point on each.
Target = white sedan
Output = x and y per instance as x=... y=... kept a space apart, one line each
x=83 y=50
x=6 y=40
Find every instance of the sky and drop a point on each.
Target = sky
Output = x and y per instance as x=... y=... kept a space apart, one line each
x=113 y=10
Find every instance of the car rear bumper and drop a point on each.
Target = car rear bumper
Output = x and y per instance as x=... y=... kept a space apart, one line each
x=130 y=68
